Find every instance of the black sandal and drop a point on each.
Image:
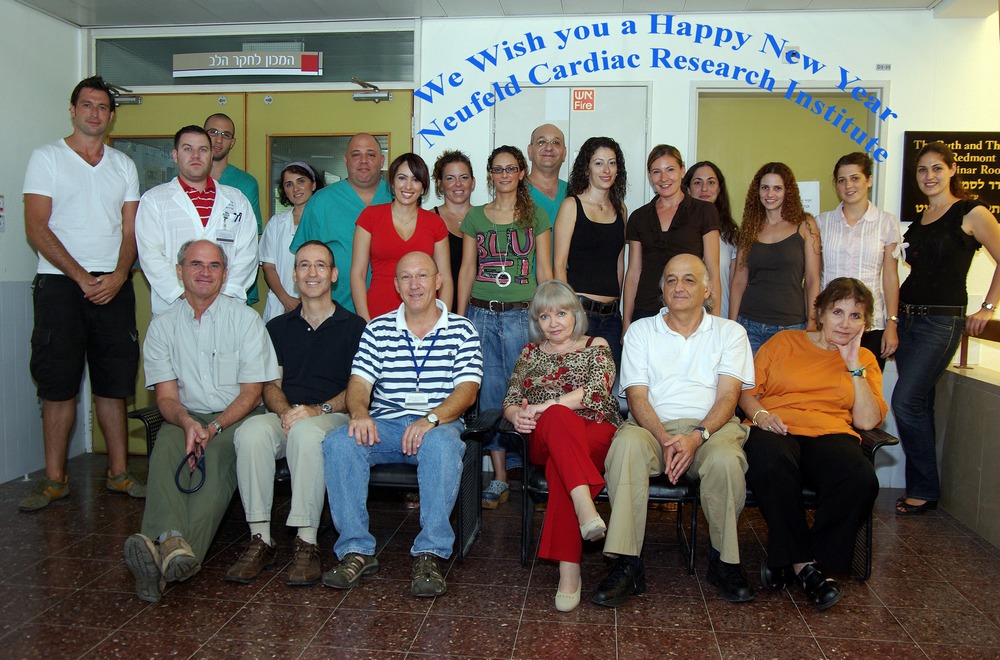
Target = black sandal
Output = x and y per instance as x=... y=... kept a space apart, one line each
x=904 y=508
x=822 y=592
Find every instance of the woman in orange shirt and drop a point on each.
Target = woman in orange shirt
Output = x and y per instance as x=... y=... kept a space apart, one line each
x=813 y=389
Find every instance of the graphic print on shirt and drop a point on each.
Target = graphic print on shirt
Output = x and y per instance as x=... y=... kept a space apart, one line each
x=514 y=258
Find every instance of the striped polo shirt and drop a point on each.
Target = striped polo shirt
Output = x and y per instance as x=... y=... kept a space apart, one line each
x=399 y=364
x=203 y=200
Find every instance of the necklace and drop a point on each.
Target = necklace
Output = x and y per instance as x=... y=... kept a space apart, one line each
x=599 y=205
x=502 y=278
x=547 y=344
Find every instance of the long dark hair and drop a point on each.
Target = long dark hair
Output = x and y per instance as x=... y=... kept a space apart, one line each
x=728 y=229
x=524 y=207
x=579 y=177
x=948 y=156
x=754 y=213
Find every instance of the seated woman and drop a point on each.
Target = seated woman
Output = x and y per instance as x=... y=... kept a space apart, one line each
x=560 y=394
x=813 y=389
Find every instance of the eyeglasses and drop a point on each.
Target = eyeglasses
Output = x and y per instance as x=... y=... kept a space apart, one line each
x=510 y=169
x=213 y=266
x=214 y=132
x=304 y=266
x=541 y=143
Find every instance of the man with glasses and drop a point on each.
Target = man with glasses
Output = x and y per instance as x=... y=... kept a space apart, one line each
x=207 y=358
x=222 y=131
x=193 y=206
x=330 y=214
x=547 y=151
x=315 y=344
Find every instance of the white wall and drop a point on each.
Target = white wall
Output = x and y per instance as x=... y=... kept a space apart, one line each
x=40 y=62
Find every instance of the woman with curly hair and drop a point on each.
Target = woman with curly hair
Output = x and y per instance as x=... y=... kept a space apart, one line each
x=704 y=181
x=589 y=242
x=777 y=251
x=505 y=255
x=672 y=223
x=454 y=182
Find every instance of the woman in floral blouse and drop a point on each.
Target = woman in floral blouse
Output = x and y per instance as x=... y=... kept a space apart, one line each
x=560 y=397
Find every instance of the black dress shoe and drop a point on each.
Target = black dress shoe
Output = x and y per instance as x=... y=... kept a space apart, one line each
x=731 y=581
x=627 y=578
x=774 y=579
x=821 y=591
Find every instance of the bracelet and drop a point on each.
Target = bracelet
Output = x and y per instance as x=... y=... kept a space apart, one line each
x=753 y=420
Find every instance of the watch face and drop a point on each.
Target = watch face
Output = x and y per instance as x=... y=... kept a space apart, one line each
x=326 y=408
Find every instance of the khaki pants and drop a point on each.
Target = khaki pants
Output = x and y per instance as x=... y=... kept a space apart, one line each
x=261 y=441
x=719 y=464
x=196 y=515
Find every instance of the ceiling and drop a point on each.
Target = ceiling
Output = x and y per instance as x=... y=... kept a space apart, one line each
x=144 y=13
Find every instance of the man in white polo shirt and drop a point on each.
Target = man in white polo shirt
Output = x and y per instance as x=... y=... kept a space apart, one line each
x=421 y=367
x=682 y=371
x=80 y=197
x=189 y=207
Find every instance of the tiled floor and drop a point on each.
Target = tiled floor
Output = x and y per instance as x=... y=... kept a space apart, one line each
x=65 y=592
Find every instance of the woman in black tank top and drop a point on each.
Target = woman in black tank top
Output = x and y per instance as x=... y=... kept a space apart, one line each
x=589 y=238
x=454 y=181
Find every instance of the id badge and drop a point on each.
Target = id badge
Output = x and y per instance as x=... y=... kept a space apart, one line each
x=416 y=400
x=224 y=236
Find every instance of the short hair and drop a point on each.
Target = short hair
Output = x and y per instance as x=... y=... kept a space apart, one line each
x=333 y=262
x=191 y=128
x=948 y=156
x=445 y=159
x=555 y=294
x=859 y=158
x=845 y=288
x=661 y=150
x=93 y=82
x=709 y=303
x=417 y=167
x=219 y=115
x=298 y=167
x=182 y=253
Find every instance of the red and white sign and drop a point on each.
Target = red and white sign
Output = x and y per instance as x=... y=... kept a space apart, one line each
x=583 y=100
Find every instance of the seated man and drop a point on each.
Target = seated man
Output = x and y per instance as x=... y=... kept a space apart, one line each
x=682 y=371
x=207 y=358
x=425 y=366
x=315 y=344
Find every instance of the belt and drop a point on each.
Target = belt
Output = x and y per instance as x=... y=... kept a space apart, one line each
x=932 y=310
x=597 y=307
x=496 y=305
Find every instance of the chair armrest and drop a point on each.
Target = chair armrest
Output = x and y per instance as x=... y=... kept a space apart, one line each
x=483 y=423
x=874 y=439
x=152 y=419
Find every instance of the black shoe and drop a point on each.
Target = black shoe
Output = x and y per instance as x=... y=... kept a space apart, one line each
x=774 y=579
x=821 y=591
x=731 y=581
x=627 y=578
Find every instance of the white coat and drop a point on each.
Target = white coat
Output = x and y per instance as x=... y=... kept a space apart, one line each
x=167 y=218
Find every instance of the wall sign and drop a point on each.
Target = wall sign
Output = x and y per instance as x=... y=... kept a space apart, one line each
x=978 y=156
x=189 y=65
x=583 y=100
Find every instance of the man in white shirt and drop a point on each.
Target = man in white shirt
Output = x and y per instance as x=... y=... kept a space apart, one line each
x=682 y=371
x=189 y=207
x=80 y=199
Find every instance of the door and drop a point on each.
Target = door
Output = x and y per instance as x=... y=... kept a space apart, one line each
x=272 y=130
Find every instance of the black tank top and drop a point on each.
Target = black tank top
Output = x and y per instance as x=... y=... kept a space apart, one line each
x=592 y=264
x=774 y=293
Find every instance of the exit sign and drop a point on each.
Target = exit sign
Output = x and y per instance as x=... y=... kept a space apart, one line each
x=583 y=99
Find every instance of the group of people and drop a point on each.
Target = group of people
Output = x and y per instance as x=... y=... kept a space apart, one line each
x=385 y=323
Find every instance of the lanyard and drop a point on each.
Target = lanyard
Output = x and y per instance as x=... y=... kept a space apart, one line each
x=420 y=367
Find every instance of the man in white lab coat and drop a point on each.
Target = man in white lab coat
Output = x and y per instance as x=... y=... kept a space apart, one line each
x=189 y=207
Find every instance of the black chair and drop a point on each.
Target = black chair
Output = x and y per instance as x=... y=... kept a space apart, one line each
x=468 y=511
x=861 y=563
x=536 y=490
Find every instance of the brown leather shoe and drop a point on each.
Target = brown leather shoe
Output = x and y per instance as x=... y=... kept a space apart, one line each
x=251 y=564
x=305 y=568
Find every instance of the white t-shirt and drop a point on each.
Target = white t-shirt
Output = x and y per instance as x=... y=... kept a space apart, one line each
x=683 y=374
x=274 y=249
x=858 y=251
x=727 y=254
x=86 y=202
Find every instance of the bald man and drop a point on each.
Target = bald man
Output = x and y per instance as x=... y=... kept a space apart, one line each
x=547 y=152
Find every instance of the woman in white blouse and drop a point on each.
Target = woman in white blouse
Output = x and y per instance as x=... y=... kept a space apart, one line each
x=861 y=241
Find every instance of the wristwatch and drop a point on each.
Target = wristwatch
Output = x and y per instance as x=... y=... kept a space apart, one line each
x=705 y=435
x=860 y=371
x=433 y=419
x=218 y=427
x=989 y=307
x=326 y=408
x=893 y=318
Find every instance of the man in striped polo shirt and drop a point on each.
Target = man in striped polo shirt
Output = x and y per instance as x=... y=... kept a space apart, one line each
x=421 y=367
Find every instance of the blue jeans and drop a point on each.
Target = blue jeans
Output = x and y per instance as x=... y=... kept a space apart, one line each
x=610 y=328
x=926 y=346
x=502 y=336
x=346 y=467
x=758 y=333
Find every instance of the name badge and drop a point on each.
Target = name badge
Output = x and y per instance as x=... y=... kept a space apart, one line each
x=223 y=236
x=416 y=400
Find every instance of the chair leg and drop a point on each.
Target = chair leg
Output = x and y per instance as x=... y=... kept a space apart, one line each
x=861 y=563
x=527 y=525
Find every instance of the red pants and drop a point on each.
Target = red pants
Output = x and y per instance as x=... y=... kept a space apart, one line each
x=573 y=450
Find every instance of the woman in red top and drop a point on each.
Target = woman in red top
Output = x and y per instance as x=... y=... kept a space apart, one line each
x=386 y=232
